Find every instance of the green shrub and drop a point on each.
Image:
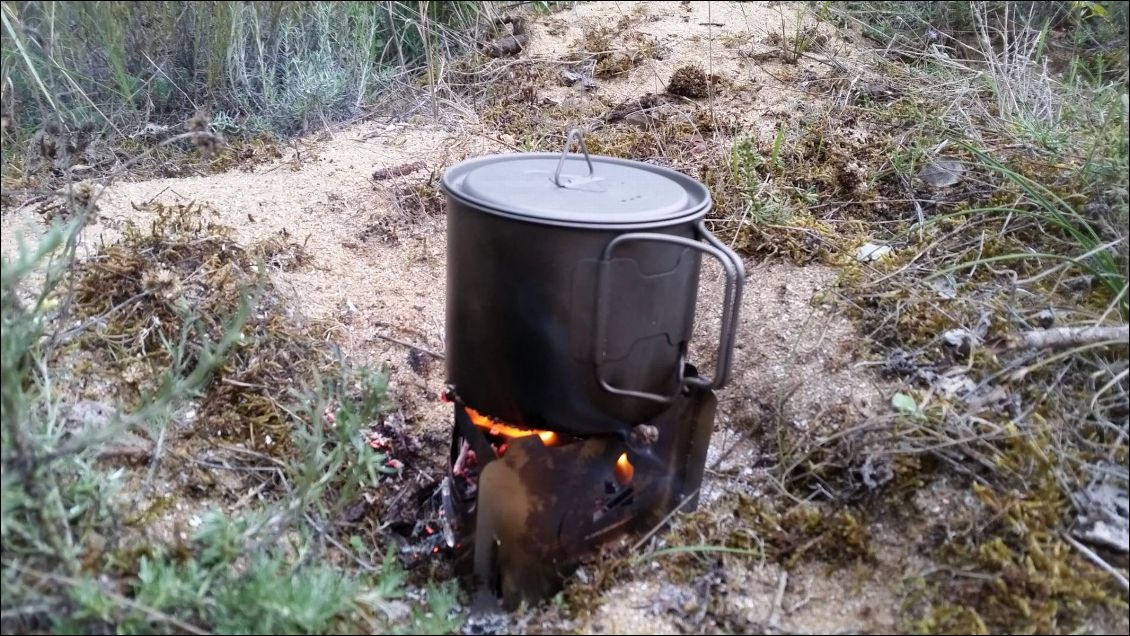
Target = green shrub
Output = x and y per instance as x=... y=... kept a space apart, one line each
x=282 y=66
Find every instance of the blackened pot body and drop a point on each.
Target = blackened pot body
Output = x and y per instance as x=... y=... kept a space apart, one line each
x=522 y=320
x=571 y=289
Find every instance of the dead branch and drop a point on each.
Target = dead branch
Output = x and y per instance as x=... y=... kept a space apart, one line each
x=663 y=522
x=398 y=171
x=1098 y=561
x=511 y=44
x=1060 y=337
x=437 y=356
x=778 y=601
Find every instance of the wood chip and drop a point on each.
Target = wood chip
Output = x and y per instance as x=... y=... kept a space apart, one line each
x=398 y=171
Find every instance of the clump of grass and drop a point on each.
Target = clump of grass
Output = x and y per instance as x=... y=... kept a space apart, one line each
x=78 y=552
x=279 y=68
x=598 y=47
x=1026 y=240
x=1027 y=422
x=689 y=81
x=768 y=528
x=58 y=505
x=1093 y=32
x=790 y=46
x=766 y=192
x=159 y=290
x=281 y=252
x=1032 y=581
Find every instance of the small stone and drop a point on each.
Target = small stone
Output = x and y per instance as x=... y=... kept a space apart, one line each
x=871 y=252
x=876 y=471
x=956 y=337
x=396 y=610
x=960 y=339
x=569 y=78
x=954 y=385
x=945 y=286
x=1103 y=516
x=942 y=173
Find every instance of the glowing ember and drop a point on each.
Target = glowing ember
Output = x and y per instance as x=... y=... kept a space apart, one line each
x=505 y=430
x=624 y=469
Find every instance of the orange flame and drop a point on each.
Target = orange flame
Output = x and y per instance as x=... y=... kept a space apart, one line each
x=505 y=430
x=624 y=469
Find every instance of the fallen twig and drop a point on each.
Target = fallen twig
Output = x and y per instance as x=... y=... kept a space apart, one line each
x=663 y=522
x=438 y=356
x=398 y=171
x=364 y=564
x=1058 y=337
x=778 y=601
x=246 y=385
x=77 y=329
x=1099 y=561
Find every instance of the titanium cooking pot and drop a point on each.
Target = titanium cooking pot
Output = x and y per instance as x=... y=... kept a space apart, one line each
x=572 y=282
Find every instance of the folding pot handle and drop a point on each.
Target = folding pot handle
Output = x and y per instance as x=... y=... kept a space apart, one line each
x=735 y=280
x=573 y=134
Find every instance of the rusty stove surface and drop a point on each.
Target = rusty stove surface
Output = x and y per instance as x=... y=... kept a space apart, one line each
x=522 y=509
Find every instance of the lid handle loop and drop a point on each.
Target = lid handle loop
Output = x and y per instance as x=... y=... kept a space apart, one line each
x=573 y=134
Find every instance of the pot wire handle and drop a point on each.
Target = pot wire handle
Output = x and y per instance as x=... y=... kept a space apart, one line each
x=573 y=134
x=731 y=303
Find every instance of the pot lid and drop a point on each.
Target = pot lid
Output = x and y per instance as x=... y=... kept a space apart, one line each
x=576 y=189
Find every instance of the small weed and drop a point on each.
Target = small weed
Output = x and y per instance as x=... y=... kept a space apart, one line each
x=792 y=45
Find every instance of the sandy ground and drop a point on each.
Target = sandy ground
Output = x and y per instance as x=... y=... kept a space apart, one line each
x=392 y=285
x=722 y=37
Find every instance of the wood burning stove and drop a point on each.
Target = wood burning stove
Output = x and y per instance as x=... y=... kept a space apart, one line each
x=572 y=286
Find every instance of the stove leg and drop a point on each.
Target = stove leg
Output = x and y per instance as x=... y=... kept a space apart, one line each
x=697 y=443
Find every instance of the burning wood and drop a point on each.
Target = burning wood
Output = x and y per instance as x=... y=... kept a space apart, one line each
x=624 y=470
x=500 y=429
x=465 y=461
